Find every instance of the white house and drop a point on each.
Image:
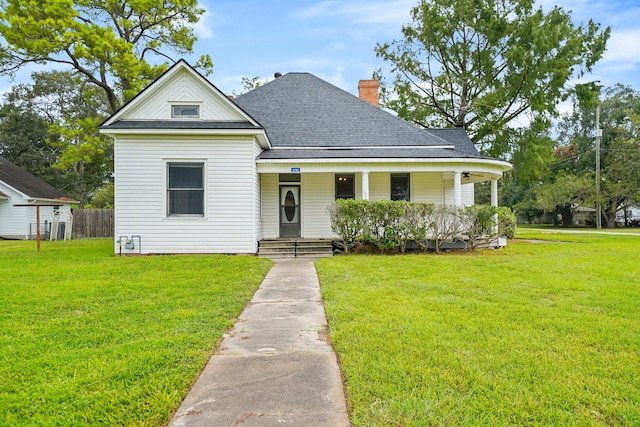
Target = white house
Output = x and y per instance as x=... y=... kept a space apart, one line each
x=17 y=188
x=198 y=172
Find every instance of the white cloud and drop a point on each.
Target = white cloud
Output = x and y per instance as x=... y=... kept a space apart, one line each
x=204 y=27
x=624 y=46
x=336 y=78
x=621 y=61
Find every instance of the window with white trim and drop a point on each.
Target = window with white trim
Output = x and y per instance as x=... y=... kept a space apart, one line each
x=400 y=187
x=185 y=189
x=185 y=111
x=345 y=186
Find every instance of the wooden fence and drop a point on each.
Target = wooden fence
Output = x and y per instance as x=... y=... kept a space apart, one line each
x=89 y=223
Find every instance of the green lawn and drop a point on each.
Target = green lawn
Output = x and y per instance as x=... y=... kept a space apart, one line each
x=87 y=338
x=534 y=334
x=537 y=333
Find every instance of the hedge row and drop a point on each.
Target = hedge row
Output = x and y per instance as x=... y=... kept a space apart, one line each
x=391 y=225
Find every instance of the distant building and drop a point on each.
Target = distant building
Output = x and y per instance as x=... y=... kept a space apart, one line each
x=19 y=187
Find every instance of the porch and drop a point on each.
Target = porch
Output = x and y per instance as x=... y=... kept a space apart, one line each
x=294 y=203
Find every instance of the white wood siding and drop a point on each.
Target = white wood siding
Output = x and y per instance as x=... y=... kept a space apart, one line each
x=379 y=186
x=270 y=201
x=317 y=194
x=448 y=191
x=16 y=220
x=426 y=187
x=230 y=193
x=468 y=194
x=183 y=88
x=257 y=196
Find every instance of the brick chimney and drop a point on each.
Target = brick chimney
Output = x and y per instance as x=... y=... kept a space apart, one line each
x=368 y=91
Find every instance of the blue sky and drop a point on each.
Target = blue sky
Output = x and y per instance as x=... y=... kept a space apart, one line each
x=335 y=39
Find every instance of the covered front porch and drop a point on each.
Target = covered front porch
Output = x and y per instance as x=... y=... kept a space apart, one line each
x=294 y=197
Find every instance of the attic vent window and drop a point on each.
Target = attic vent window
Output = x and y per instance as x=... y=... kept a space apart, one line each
x=185 y=111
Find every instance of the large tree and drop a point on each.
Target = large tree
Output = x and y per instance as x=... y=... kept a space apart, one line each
x=49 y=127
x=23 y=140
x=111 y=49
x=567 y=180
x=619 y=151
x=482 y=64
x=112 y=44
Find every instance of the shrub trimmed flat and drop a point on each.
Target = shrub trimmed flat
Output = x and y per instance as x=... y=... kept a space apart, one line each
x=534 y=334
x=87 y=338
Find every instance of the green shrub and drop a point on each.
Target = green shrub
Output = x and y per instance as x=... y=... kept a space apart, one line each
x=391 y=225
x=445 y=225
x=348 y=220
x=414 y=224
x=385 y=218
x=506 y=222
x=479 y=223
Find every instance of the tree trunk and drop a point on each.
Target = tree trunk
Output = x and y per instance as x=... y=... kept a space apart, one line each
x=567 y=215
x=609 y=214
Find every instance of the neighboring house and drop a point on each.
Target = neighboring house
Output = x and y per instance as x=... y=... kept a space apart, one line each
x=584 y=215
x=19 y=187
x=198 y=172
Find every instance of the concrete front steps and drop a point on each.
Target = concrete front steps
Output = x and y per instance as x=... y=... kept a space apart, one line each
x=295 y=248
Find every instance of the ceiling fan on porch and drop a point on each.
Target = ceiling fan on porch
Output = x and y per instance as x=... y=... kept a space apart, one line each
x=468 y=175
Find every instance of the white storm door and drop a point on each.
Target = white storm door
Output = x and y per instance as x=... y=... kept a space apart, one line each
x=289 y=211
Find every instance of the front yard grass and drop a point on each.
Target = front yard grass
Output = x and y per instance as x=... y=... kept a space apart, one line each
x=87 y=338
x=534 y=334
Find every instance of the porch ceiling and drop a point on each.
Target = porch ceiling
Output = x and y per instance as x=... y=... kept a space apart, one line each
x=473 y=170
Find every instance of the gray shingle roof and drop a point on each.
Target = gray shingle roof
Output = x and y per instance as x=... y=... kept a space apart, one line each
x=27 y=183
x=367 y=153
x=458 y=137
x=301 y=110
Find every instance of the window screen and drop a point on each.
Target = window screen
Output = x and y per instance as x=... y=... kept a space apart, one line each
x=400 y=186
x=345 y=186
x=185 y=189
x=185 y=111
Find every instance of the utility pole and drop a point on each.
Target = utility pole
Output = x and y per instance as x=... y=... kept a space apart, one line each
x=598 y=136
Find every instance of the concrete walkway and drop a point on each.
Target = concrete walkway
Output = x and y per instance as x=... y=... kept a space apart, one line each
x=274 y=367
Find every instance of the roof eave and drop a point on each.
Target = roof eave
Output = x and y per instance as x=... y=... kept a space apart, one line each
x=259 y=134
x=363 y=147
x=37 y=200
x=504 y=166
x=21 y=193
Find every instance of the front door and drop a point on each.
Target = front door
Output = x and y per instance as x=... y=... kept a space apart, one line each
x=289 y=211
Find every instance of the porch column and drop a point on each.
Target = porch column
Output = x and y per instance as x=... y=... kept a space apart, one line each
x=494 y=201
x=365 y=185
x=494 y=192
x=457 y=189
